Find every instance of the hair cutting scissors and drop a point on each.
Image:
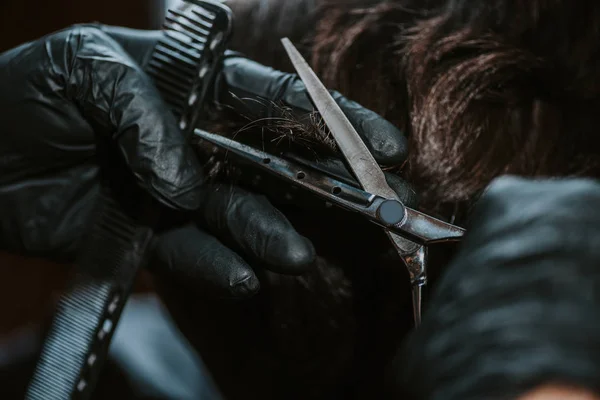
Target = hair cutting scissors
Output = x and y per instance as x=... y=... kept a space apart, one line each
x=409 y=230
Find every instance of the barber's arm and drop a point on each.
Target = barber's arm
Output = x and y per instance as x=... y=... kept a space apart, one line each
x=62 y=95
x=516 y=314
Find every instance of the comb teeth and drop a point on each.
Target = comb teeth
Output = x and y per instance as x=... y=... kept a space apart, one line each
x=190 y=27
x=88 y=312
x=185 y=41
x=178 y=54
x=200 y=20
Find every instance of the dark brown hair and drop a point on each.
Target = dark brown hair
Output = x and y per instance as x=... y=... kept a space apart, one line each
x=506 y=86
x=356 y=51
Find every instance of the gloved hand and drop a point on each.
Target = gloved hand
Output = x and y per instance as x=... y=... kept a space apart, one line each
x=517 y=308
x=233 y=215
x=63 y=96
x=60 y=97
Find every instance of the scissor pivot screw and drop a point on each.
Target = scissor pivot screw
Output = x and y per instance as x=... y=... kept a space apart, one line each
x=391 y=212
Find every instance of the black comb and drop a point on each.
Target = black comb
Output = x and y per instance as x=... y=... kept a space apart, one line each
x=186 y=60
x=183 y=66
x=86 y=316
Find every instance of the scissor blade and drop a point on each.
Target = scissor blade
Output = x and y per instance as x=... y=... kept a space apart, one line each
x=362 y=163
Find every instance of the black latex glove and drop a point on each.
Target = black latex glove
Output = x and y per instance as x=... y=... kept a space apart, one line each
x=66 y=92
x=518 y=306
x=60 y=96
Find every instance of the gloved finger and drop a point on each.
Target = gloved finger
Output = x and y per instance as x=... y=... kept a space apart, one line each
x=120 y=102
x=199 y=261
x=250 y=223
x=254 y=90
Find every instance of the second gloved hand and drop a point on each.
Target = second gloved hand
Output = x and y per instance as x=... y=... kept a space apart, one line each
x=517 y=307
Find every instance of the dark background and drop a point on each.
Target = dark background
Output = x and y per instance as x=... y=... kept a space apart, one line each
x=24 y=20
